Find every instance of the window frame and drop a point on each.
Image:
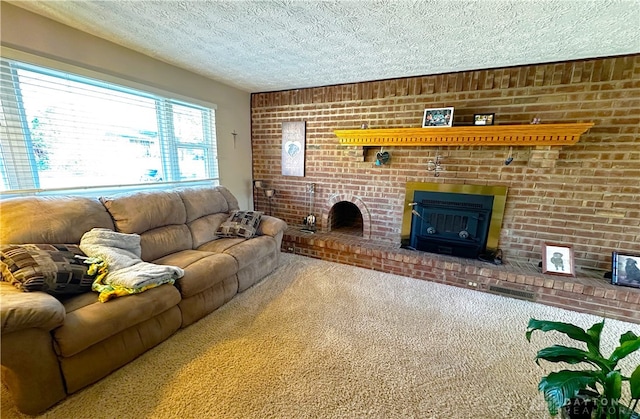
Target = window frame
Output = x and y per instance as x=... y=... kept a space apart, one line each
x=165 y=101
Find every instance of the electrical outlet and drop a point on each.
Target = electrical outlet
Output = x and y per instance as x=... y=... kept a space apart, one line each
x=473 y=284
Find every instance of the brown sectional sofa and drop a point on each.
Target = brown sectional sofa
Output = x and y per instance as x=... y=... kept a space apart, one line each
x=53 y=347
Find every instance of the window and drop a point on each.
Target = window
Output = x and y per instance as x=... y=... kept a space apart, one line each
x=62 y=131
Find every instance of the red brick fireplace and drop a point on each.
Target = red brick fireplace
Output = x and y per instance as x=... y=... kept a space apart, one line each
x=584 y=195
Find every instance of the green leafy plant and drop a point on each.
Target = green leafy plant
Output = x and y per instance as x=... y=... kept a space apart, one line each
x=601 y=384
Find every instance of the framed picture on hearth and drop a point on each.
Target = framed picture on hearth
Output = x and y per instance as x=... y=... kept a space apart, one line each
x=625 y=269
x=557 y=259
x=437 y=117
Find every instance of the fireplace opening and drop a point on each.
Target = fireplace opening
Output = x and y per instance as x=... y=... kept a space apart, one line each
x=345 y=217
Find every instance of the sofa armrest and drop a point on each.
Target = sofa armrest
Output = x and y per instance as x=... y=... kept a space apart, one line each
x=26 y=310
x=271 y=226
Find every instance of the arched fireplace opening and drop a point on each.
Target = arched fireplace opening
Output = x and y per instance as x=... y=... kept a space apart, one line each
x=345 y=217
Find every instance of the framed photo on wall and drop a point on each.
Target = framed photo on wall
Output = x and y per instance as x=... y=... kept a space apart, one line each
x=557 y=259
x=293 y=148
x=437 y=117
x=625 y=269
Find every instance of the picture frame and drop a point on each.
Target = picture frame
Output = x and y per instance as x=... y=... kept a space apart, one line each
x=483 y=118
x=294 y=134
x=557 y=259
x=625 y=269
x=437 y=118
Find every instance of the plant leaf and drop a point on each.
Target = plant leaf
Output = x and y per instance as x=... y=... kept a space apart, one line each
x=628 y=345
x=613 y=387
x=634 y=383
x=628 y=336
x=573 y=331
x=559 y=353
x=558 y=387
x=595 y=331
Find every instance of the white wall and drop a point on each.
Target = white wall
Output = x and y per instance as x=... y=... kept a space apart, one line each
x=34 y=34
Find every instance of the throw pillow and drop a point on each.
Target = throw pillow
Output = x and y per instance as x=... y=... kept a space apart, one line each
x=240 y=224
x=57 y=269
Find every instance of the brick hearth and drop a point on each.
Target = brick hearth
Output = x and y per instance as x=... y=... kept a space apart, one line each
x=589 y=292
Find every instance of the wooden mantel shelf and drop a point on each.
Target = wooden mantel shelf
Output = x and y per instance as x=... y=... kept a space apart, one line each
x=492 y=135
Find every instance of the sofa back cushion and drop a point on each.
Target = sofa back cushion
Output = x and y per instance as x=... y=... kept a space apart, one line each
x=137 y=212
x=159 y=218
x=50 y=219
x=163 y=241
x=199 y=202
x=207 y=208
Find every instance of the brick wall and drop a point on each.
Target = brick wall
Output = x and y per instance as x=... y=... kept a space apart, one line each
x=586 y=195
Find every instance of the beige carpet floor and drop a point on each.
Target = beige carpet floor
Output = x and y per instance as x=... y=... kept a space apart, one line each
x=322 y=340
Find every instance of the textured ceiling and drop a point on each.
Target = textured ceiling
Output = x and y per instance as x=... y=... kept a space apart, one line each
x=260 y=46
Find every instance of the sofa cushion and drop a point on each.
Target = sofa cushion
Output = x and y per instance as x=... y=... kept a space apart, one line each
x=142 y=211
x=203 y=229
x=253 y=250
x=220 y=245
x=203 y=201
x=202 y=270
x=54 y=269
x=89 y=321
x=165 y=240
x=51 y=219
x=240 y=224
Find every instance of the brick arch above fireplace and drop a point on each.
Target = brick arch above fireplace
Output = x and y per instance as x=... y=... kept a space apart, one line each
x=364 y=211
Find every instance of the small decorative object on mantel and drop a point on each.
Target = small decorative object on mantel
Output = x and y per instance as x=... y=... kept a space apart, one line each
x=382 y=157
x=483 y=118
x=626 y=269
x=437 y=117
x=293 y=147
x=557 y=259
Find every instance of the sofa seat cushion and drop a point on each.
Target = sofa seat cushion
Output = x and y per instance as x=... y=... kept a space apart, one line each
x=202 y=270
x=88 y=321
x=220 y=245
x=252 y=250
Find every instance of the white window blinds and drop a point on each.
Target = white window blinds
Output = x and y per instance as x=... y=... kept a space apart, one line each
x=62 y=131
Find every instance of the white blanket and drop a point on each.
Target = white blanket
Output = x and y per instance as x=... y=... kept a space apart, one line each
x=122 y=252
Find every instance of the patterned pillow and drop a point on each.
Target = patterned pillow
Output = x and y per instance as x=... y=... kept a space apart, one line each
x=57 y=269
x=240 y=224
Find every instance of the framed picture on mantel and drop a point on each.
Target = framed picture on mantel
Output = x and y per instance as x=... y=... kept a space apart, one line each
x=437 y=117
x=557 y=259
x=483 y=118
